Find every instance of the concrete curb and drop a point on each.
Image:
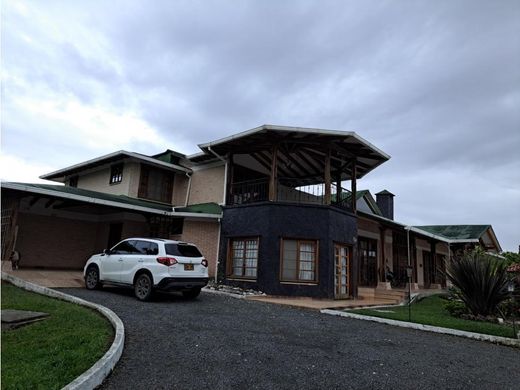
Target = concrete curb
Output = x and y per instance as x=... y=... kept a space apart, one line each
x=428 y=328
x=95 y=375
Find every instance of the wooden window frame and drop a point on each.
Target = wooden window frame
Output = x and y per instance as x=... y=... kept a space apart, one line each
x=116 y=174
x=299 y=241
x=166 y=184
x=229 y=265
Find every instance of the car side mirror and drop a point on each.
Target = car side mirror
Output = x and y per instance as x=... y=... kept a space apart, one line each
x=106 y=251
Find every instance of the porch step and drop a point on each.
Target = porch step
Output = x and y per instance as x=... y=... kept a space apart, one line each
x=389 y=296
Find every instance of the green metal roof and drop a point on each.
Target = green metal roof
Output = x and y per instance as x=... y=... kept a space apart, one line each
x=456 y=232
x=204 y=208
x=125 y=200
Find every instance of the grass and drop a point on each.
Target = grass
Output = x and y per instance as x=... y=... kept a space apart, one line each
x=430 y=311
x=51 y=353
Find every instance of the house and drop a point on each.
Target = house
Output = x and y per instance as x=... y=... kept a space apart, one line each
x=268 y=207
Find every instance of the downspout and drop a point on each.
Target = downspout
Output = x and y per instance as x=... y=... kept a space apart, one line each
x=189 y=189
x=225 y=171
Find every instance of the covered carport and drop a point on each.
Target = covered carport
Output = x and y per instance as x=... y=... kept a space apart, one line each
x=59 y=227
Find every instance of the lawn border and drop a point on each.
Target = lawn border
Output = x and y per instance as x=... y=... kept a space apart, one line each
x=95 y=375
x=428 y=328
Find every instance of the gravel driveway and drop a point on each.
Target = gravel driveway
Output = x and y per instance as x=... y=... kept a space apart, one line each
x=218 y=342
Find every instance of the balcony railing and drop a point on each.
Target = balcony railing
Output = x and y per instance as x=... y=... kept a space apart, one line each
x=252 y=191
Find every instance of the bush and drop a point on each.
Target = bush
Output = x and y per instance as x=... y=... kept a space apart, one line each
x=456 y=308
x=481 y=280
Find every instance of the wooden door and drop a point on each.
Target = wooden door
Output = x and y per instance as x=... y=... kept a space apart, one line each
x=342 y=271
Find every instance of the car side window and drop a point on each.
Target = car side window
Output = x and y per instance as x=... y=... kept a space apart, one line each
x=125 y=248
x=147 y=248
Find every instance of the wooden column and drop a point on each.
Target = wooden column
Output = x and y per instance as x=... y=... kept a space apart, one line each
x=327 y=178
x=273 y=192
x=353 y=185
x=338 y=187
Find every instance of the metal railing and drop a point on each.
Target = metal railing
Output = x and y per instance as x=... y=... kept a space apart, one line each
x=288 y=190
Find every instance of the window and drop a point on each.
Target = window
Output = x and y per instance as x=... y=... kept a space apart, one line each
x=73 y=181
x=147 y=247
x=126 y=248
x=243 y=257
x=299 y=258
x=116 y=174
x=155 y=184
x=184 y=250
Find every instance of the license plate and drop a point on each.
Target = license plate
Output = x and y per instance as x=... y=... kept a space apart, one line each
x=188 y=267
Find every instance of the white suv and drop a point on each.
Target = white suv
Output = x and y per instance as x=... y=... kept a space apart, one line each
x=147 y=264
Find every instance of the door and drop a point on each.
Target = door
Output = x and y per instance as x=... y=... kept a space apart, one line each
x=342 y=274
x=112 y=263
x=429 y=269
x=367 y=262
x=114 y=234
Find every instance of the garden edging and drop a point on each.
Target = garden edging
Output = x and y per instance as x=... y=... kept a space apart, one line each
x=428 y=328
x=95 y=375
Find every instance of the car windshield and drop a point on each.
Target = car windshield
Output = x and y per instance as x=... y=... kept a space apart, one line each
x=184 y=250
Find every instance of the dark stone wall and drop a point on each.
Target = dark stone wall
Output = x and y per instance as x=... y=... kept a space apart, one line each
x=273 y=221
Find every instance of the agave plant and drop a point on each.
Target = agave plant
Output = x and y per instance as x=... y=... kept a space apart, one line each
x=481 y=281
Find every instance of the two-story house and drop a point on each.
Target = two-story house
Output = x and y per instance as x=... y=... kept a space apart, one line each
x=268 y=208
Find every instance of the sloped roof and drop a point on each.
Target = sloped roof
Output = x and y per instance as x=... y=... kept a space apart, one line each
x=456 y=232
x=301 y=151
x=110 y=158
x=346 y=195
x=207 y=210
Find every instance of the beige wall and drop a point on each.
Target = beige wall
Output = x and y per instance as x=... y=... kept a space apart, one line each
x=207 y=185
x=180 y=186
x=99 y=181
x=205 y=235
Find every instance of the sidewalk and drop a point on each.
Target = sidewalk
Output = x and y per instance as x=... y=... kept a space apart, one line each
x=46 y=278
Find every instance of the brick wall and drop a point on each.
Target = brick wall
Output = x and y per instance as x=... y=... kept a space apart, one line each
x=205 y=236
x=54 y=242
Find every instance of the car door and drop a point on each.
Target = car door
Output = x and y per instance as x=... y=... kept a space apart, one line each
x=112 y=262
x=134 y=260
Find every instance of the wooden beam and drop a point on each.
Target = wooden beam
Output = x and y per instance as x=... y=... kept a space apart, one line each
x=353 y=185
x=273 y=192
x=327 y=178
x=50 y=202
x=261 y=159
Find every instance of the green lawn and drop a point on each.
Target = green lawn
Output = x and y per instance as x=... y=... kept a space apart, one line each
x=50 y=353
x=430 y=311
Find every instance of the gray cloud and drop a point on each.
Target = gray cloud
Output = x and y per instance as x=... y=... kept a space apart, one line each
x=435 y=84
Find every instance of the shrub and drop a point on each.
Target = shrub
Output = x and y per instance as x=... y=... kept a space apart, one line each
x=481 y=280
x=456 y=308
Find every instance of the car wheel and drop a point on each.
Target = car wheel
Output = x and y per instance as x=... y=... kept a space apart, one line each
x=191 y=294
x=143 y=287
x=92 y=278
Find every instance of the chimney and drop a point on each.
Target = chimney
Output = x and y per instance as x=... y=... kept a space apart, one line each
x=385 y=201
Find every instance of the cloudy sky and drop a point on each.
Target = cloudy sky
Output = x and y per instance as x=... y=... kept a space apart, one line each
x=435 y=84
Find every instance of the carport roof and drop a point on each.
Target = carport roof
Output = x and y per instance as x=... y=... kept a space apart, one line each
x=101 y=198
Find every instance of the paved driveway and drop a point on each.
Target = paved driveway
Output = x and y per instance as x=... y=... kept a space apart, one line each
x=218 y=342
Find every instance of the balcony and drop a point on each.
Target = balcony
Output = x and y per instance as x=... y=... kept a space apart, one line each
x=288 y=191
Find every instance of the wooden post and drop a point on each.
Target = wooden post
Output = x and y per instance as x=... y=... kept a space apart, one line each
x=274 y=175
x=339 y=194
x=353 y=184
x=327 y=178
